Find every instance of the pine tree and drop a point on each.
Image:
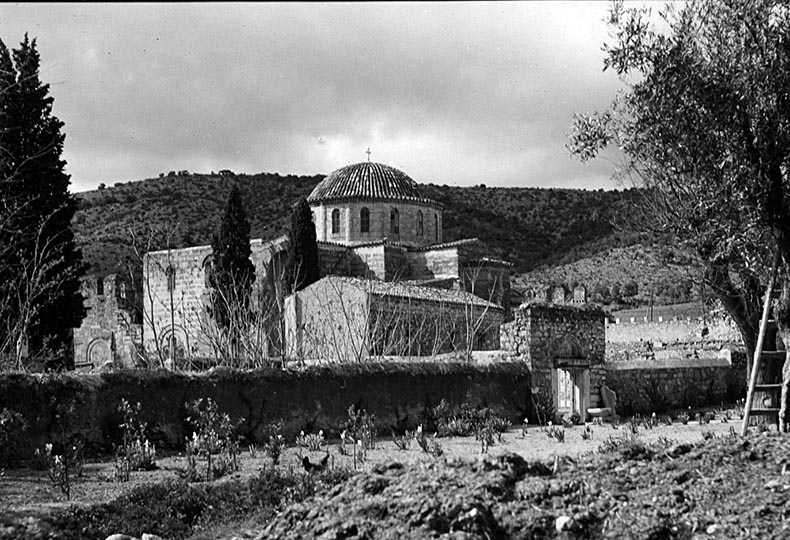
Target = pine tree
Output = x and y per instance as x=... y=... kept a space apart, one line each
x=301 y=269
x=40 y=256
x=232 y=272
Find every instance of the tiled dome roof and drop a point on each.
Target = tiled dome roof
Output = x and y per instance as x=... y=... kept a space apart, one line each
x=367 y=180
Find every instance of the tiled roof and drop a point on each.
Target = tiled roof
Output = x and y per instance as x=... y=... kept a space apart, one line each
x=368 y=180
x=404 y=290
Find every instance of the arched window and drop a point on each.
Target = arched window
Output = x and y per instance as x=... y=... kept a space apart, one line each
x=364 y=220
x=436 y=226
x=394 y=221
x=335 y=221
x=419 y=223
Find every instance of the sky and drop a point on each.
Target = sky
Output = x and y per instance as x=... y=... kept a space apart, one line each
x=450 y=93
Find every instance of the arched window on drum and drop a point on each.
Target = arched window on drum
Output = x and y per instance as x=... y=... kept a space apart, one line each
x=364 y=220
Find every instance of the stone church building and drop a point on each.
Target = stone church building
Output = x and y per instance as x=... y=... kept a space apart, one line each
x=374 y=226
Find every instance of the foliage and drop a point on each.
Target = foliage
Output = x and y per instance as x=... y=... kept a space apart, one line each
x=273 y=441
x=232 y=272
x=137 y=452
x=177 y=510
x=482 y=421
x=543 y=405
x=429 y=445
x=64 y=465
x=40 y=300
x=214 y=439
x=403 y=442
x=549 y=226
x=301 y=268
x=555 y=432
x=12 y=429
x=704 y=126
x=312 y=441
x=361 y=426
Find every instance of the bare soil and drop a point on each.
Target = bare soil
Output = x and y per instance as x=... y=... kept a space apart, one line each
x=26 y=492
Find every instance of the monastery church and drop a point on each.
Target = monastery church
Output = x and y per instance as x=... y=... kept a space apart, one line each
x=389 y=284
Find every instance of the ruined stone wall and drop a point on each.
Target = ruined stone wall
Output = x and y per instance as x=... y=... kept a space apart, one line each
x=109 y=335
x=680 y=384
x=182 y=315
x=350 y=233
x=541 y=333
x=681 y=330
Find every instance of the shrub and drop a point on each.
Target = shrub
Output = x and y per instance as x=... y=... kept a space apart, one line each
x=214 y=439
x=274 y=442
x=137 y=453
x=12 y=428
x=543 y=404
x=311 y=441
x=361 y=426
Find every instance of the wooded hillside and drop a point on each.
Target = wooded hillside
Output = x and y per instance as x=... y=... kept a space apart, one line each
x=536 y=229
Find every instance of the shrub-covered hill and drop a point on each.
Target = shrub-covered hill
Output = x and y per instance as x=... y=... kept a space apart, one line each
x=625 y=275
x=527 y=226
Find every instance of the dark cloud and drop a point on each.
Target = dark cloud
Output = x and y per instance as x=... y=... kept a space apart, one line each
x=453 y=93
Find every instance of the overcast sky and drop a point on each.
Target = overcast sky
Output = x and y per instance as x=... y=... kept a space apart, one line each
x=451 y=93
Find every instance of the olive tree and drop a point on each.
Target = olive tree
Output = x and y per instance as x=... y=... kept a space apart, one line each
x=703 y=126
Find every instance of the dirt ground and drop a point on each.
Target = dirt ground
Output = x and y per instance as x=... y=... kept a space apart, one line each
x=29 y=492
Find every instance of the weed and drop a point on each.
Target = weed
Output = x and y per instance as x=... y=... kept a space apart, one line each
x=274 y=443
x=312 y=441
x=63 y=467
x=214 y=440
x=708 y=435
x=137 y=453
x=39 y=461
x=428 y=445
x=555 y=432
x=254 y=450
x=361 y=427
x=587 y=433
x=739 y=407
x=633 y=424
x=684 y=418
x=543 y=404
x=403 y=442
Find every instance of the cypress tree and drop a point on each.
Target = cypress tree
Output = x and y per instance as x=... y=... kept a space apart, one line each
x=232 y=272
x=37 y=209
x=301 y=269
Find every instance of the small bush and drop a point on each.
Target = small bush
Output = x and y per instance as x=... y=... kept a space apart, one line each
x=555 y=432
x=361 y=426
x=274 y=442
x=12 y=428
x=214 y=440
x=403 y=442
x=312 y=441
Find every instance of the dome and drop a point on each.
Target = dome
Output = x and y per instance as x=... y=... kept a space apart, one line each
x=366 y=180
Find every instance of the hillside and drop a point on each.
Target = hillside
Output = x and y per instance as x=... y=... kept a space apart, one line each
x=628 y=274
x=531 y=227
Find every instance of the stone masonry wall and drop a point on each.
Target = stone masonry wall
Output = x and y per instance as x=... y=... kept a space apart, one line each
x=317 y=398
x=109 y=334
x=181 y=316
x=350 y=227
x=649 y=389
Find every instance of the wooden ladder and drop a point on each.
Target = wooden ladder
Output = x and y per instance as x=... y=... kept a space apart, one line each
x=760 y=356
